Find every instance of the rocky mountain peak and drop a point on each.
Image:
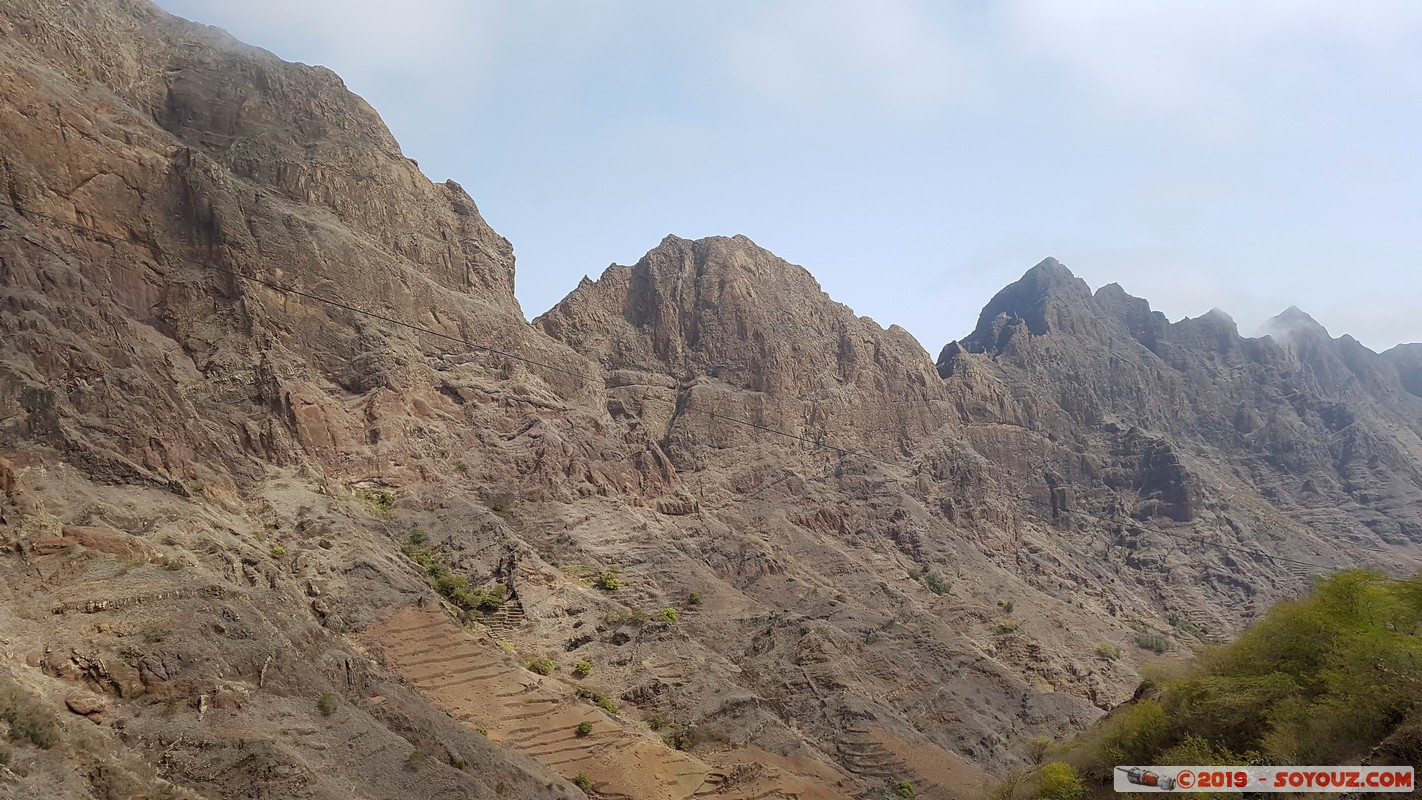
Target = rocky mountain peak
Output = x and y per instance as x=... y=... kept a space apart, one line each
x=1292 y=323
x=1047 y=299
x=728 y=310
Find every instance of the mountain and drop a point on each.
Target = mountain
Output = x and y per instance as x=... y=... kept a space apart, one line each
x=297 y=504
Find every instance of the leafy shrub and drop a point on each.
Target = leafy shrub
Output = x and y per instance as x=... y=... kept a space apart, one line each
x=904 y=789
x=1006 y=606
x=931 y=580
x=326 y=704
x=679 y=738
x=1197 y=750
x=415 y=759
x=599 y=699
x=1038 y=746
x=1323 y=679
x=29 y=722
x=1107 y=651
x=278 y=551
x=1132 y=737
x=582 y=668
x=667 y=615
x=4 y=758
x=454 y=588
x=583 y=729
x=1060 y=782
x=541 y=666
x=1155 y=642
x=581 y=781
x=694 y=599
x=609 y=581
x=378 y=503
x=936 y=584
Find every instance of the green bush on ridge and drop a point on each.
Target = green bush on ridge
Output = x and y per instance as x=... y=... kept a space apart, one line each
x=1319 y=680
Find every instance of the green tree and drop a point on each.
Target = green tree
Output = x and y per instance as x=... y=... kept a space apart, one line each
x=1060 y=782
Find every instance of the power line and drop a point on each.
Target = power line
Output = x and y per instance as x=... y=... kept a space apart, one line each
x=816 y=443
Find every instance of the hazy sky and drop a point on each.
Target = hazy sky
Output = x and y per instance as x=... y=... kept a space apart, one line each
x=918 y=156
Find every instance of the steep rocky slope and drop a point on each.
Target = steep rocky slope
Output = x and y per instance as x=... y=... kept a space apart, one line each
x=274 y=428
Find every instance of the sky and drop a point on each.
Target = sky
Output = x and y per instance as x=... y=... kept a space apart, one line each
x=918 y=156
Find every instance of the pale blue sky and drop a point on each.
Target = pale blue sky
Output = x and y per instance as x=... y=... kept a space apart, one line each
x=918 y=156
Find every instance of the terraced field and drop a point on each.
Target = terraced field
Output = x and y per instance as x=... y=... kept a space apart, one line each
x=477 y=683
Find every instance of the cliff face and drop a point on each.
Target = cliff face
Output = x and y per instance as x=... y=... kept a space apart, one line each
x=723 y=326
x=1312 y=425
x=225 y=498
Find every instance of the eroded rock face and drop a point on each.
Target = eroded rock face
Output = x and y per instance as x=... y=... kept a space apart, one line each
x=1304 y=420
x=149 y=162
x=720 y=326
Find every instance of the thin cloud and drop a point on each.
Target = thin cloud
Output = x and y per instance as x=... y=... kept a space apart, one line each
x=890 y=52
x=1212 y=65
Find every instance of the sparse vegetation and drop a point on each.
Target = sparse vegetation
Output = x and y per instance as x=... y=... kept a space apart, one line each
x=541 y=666
x=1006 y=606
x=581 y=781
x=4 y=758
x=378 y=503
x=1006 y=789
x=1037 y=748
x=278 y=551
x=904 y=789
x=931 y=580
x=1186 y=627
x=415 y=759
x=1108 y=652
x=630 y=615
x=173 y=565
x=326 y=704
x=582 y=668
x=667 y=615
x=28 y=720
x=501 y=505
x=155 y=633
x=656 y=722
x=679 y=738
x=694 y=599
x=583 y=729
x=461 y=467
x=459 y=764
x=454 y=588
x=599 y=699
x=1008 y=626
x=608 y=581
x=1155 y=642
